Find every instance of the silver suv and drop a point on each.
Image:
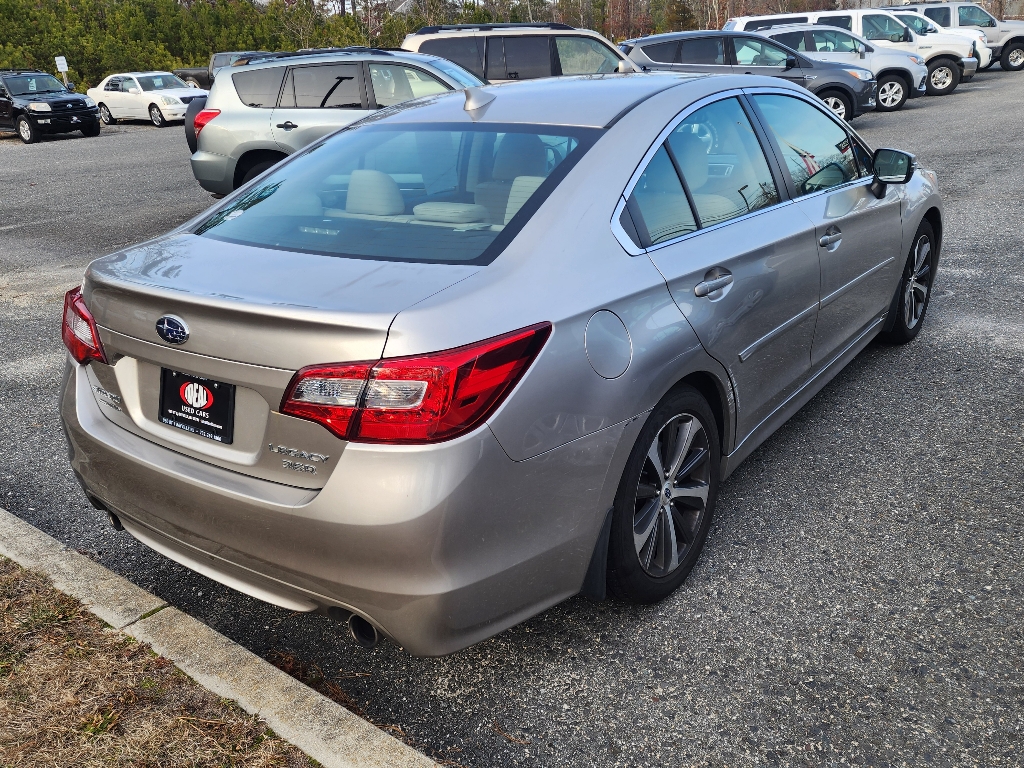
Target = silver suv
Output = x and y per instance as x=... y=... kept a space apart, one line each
x=900 y=75
x=267 y=109
x=1005 y=38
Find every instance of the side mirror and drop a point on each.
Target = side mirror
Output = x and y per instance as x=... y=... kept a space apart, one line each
x=908 y=36
x=135 y=91
x=891 y=166
x=862 y=50
x=624 y=67
x=792 y=63
x=71 y=86
x=896 y=37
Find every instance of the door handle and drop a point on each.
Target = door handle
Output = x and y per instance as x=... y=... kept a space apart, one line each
x=832 y=238
x=710 y=286
x=287 y=125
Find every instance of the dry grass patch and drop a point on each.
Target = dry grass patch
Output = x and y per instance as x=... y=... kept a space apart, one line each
x=75 y=692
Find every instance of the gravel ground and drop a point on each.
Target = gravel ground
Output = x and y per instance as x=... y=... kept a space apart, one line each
x=860 y=598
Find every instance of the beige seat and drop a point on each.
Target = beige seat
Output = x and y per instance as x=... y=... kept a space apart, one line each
x=522 y=189
x=518 y=154
x=692 y=155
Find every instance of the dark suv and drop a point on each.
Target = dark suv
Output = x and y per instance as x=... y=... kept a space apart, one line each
x=33 y=103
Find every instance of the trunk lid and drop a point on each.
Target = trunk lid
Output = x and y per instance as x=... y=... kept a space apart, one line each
x=254 y=317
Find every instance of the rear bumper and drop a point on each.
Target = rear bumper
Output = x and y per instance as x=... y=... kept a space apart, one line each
x=438 y=546
x=215 y=173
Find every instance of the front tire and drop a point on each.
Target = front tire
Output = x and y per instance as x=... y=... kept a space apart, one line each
x=1012 y=58
x=892 y=93
x=839 y=103
x=27 y=132
x=666 y=498
x=156 y=116
x=92 y=131
x=105 y=116
x=915 y=289
x=943 y=77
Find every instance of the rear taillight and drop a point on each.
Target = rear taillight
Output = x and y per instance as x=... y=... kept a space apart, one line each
x=418 y=399
x=202 y=118
x=79 y=331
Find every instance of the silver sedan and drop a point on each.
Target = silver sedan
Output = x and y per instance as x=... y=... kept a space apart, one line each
x=485 y=351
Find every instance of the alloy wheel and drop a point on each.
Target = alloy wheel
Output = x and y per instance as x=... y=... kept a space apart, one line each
x=941 y=77
x=1016 y=57
x=890 y=94
x=105 y=115
x=25 y=131
x=836 y=105
x=672 y=495
x=915 y=293
x=156 y=116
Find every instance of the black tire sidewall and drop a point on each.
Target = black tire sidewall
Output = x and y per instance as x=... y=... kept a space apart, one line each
x=842 y=97
x=906 y=93
x=1004 y=58
x=955 y=82
x=33 y=131
x=256 y=170
x=899 y=333
x=626 y=578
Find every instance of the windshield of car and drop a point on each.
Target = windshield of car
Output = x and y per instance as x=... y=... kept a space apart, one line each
x=435 y=193
x=159 y=82
x=461 y=76
x=27 y=85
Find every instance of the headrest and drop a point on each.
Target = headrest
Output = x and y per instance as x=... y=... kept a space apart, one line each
x=522 y=190
x=692 y=156
x=519 y=154
x=452 y=213
x=374 y=193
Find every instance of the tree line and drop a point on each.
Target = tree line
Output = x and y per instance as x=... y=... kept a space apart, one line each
x=102 y=36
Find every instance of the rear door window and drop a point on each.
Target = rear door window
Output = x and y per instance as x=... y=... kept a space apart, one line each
x=527 y=57
x=758 y=53
x=703 y=50
x=817 y=152
x=467 y=52
x=941 y=16
x=794 y=40
x=664 y=53
x=330 y=86
x=843 y=22
x=393 y=83
x=584 y=56
x=259 y=87
x=827 y=41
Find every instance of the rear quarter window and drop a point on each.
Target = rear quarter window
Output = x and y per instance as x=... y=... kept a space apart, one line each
x=467 y=52
x=259 y=87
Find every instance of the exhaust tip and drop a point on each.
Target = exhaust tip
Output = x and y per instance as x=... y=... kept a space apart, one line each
x=363 y=632
x=114 y=521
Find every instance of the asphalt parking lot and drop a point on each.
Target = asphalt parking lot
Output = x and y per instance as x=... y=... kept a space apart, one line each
x=860 y=599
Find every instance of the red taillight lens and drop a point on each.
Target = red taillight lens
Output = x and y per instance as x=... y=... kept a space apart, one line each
x=79 y=331
x=203 y=117
x=418 y=399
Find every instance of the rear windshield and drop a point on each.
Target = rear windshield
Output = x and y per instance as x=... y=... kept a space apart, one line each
x=436 y=193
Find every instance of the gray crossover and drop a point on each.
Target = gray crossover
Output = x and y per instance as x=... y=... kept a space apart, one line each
x=489 y=350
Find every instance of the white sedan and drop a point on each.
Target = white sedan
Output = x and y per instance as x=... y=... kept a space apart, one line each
x=157 y=96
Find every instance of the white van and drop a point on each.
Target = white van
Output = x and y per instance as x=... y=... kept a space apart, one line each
x=950 y=59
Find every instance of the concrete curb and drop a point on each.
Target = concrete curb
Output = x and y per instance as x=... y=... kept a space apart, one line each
x=321 y=728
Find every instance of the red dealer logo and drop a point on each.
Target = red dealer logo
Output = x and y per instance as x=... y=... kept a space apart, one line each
x=196 y=395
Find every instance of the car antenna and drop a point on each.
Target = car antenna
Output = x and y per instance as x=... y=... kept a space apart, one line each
x=476 y=98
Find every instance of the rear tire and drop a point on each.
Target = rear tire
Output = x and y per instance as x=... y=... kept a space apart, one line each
x=1012 y=58
x=27 y=132
x=105 y=116
x=839 y=103
x=192 y=81
x=666 y=498
x=915 y=289
x=943 y=77
x=893 y=91
x=256 y=170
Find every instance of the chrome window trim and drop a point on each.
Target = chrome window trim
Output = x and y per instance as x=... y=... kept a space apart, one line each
x=621 y=236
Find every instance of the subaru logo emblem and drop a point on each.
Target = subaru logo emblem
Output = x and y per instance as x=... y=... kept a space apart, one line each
x=172 y=329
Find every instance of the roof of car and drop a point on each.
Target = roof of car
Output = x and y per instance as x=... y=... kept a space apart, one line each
x=343 y=54
x=22 y=72
x=594 y=101
x=687 y=33
x=521 y=27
